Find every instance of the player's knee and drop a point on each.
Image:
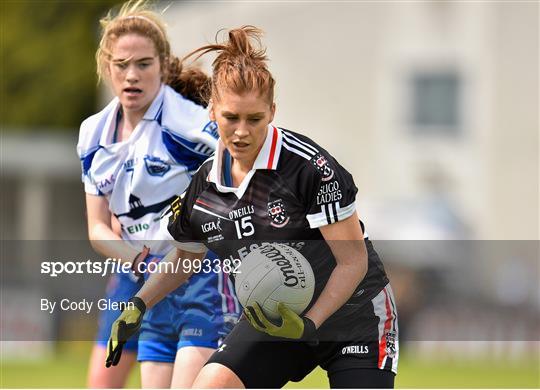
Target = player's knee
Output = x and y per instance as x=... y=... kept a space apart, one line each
x=215 y=376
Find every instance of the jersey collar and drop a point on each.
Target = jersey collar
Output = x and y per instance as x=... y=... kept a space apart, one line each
x=155 y=108
x=269 y=154
x=267 y=158
x=152 y=113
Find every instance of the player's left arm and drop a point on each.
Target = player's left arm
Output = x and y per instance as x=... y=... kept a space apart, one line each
x=346 y=241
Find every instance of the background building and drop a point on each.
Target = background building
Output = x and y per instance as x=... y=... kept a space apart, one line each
x=432 y=106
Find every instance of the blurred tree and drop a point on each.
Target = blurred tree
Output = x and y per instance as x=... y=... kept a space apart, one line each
x=47 y=67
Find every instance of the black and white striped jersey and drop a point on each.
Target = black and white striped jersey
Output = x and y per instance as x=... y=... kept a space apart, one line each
x=294 y=188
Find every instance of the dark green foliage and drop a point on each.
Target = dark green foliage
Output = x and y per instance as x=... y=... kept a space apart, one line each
x=48 y=76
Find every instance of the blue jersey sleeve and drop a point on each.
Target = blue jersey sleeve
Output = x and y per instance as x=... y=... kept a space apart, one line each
x=87 y=147
x=188 y=133
x=189 y=150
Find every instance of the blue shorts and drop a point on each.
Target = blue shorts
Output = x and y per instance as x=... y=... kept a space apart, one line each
x=120 y=288
x=200 y=313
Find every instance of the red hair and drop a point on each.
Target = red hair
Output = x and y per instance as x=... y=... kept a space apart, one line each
x=240 y=66
x=135 y=17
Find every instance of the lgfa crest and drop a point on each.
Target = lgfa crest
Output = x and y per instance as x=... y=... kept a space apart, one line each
x=277 y=213
x=321 y=163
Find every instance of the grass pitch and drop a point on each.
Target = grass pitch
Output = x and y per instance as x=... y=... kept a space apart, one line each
x=67 y=369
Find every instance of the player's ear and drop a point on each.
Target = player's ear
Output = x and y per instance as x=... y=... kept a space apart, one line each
x=108 y=69
x=272 y=112
x=164 y=69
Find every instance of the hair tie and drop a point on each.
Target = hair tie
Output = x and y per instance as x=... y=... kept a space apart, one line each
x=147 y=20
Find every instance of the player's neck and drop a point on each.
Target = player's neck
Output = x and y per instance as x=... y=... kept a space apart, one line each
x=128 y=122
x=239 y=170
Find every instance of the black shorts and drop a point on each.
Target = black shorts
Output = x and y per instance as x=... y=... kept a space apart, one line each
x=369 y=340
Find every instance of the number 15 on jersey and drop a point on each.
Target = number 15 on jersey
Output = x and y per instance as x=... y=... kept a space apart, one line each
x=244 y=227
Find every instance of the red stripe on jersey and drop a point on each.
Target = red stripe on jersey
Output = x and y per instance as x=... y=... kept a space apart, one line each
x=201 y=202
x=387 y=324
x=272 y=149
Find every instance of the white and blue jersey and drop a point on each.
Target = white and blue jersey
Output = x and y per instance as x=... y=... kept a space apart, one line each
x=140 y=176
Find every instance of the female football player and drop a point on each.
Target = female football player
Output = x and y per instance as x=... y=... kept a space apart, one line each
x=137 y=154
x=350 y=327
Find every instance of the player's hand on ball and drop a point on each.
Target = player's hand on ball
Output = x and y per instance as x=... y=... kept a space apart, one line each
x=123 y=328
x=292 y=325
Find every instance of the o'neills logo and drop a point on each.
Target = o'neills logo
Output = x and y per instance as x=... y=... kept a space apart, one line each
x=293 y=277
x=359 y=349
x=243 y=211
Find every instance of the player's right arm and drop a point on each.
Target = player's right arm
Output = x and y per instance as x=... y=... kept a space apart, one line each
x=176 y=223
x=173 y=272
x=175 y=268
x=100 y=232
x=160 y=284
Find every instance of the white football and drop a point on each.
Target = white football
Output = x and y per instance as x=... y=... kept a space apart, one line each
x=275 y=273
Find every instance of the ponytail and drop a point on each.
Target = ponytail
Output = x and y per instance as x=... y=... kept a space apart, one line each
x=192 y=83
x=240 y=65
